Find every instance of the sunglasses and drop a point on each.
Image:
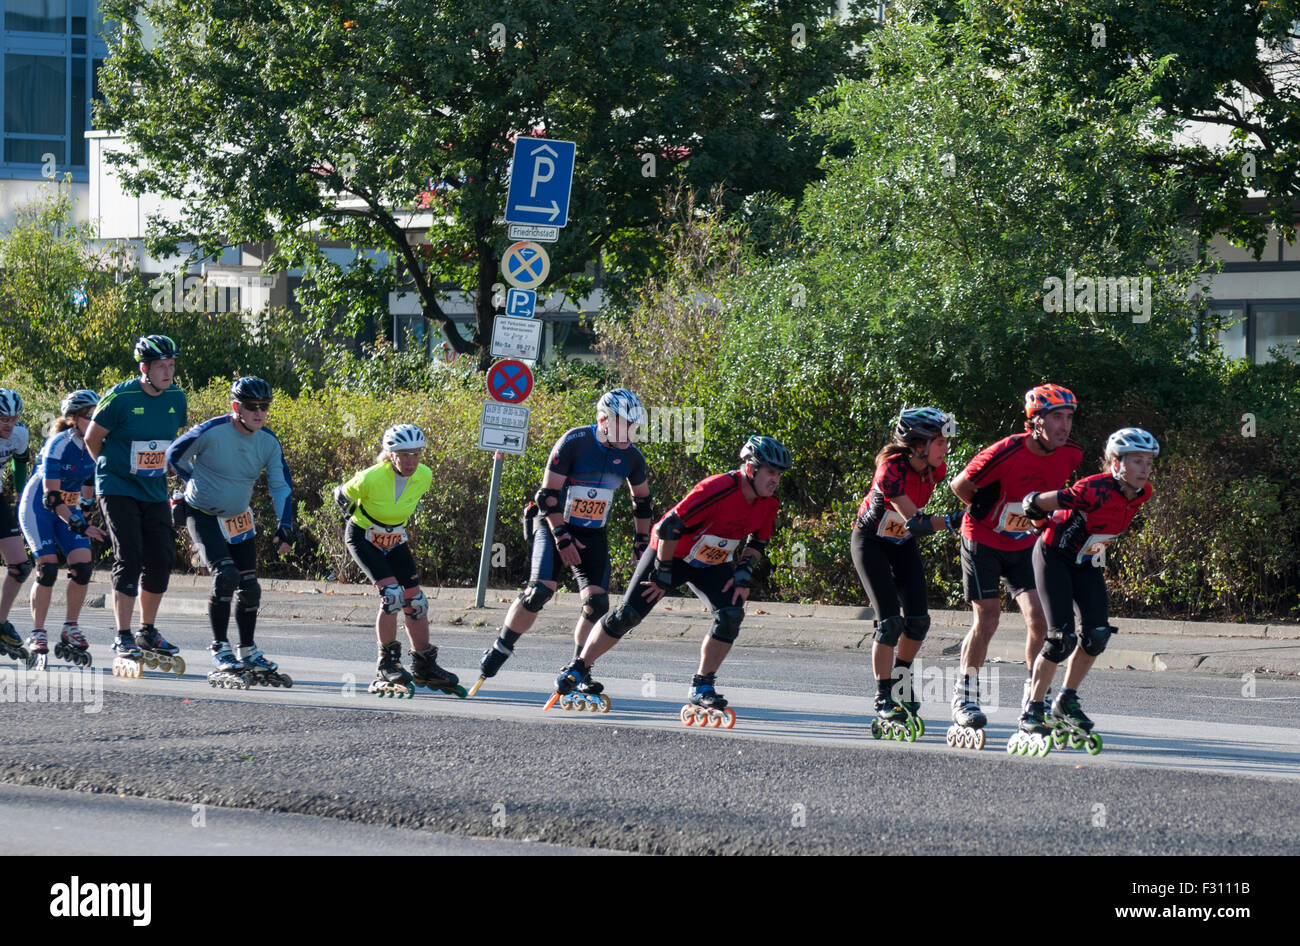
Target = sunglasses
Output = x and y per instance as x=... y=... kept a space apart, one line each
x=256 y=405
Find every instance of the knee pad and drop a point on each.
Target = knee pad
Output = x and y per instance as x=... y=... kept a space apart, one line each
x=250 y=592
x=918 y=625
x=535 y=596
x=417 y=606
x=1059 y=643
x=1093 y=640
x=889 y=631
x=391 y=598
x=620 y=622
x=47 y=573
x=79 y=574
x=726 y=624
x=225 y=579
x=20 y=571
x=595 y=607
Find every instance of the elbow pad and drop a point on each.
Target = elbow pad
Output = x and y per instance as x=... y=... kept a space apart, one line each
x=642 y=507
x=548 y=500
x=671 y=528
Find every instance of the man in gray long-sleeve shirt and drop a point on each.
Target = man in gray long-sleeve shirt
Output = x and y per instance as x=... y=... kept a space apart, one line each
x=220 y=461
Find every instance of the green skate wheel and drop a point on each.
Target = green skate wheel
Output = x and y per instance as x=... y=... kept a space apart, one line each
x=1044 y=747
x=1076 y=741
x=458 y=690
x=875 y=729
x=1011 y=746
x=920 y=726
x=910 y=732
x=1058 y=739
x=1093 y=744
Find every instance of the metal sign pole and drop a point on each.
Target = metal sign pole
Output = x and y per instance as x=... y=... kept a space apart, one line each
x=489 y=529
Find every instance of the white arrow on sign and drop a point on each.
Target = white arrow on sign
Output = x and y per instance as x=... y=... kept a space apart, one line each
x=553 y=210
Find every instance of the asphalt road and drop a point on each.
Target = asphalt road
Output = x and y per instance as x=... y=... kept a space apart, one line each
x=1193 y=764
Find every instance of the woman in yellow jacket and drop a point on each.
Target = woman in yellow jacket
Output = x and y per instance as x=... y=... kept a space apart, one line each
x=378 y=502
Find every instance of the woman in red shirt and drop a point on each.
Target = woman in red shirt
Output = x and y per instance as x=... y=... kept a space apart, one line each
x=888 y=560
x=1079 y=522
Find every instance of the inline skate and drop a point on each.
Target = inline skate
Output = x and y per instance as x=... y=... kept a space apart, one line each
x=968 y=720
x=261 y=671
x=228 y=670
x=707 y=706
x=157 y=652
x=1071 y=727
x=1032 y=736
x=11 y=643
x=391 y=678
x=893 y=721
x=425 y=672
x=72 y=646
x=575 y=690
x=38 y=650
x=128 y=660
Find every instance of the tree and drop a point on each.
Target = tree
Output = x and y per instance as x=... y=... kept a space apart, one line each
x=297 y=121
x=1227 y=72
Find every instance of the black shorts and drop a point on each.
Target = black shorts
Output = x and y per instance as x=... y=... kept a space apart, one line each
x=706 y=583
x=144 y=543
x=593 y=567
x=379 y=565
x=212 y=545
x=891 y=574
x=1062 y=584
x=8 y=521
x=982 y=566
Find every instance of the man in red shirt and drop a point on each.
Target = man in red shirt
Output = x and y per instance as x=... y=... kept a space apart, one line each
x=997 y=536
x=710 y=540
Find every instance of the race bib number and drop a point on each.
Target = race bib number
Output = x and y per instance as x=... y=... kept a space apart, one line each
x=238 y=528
x=149 y=457
x=588 y=506
x=1013 y=523
x=893 y=527
x=386 y=538
x=710 y=550
x=1094 y=549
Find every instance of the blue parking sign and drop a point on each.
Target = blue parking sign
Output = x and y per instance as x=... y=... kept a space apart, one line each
x=541 y=177
x=521 y=303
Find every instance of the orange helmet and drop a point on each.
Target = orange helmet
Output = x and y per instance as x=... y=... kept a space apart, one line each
x=1047 y=398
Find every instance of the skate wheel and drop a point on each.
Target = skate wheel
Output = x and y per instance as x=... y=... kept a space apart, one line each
x=1076 y=741
x=728 y=718
x=1058 y=739
x=875 y=729
x=967 y=739
x=150 y=661
x=1093 y=744
x=580 y=705
x=1012 y=745
x=687 y=715
x=907 y=732
x=605 y=704
x=178 y=665
x=919 y=723
x=715 y=718
x=950 y=738
x=460 y=692
x=979 y=739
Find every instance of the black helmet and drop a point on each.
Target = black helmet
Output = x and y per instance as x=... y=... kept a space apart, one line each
x=250 y=389
x=927 y=422
x=152 y=347
x=767 y=451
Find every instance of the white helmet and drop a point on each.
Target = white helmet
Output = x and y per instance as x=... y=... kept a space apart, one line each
x=11 y=405
x=404 y=437
x=1131 y=440
x=621 y=402
x=78 y=401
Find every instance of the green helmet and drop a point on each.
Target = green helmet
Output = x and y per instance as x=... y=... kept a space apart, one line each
x=153 y=347
x=766 y=451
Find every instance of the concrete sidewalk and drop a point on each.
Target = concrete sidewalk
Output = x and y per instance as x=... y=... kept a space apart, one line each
x=1142 y=644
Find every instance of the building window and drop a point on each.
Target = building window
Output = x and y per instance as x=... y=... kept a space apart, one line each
x=1251 y=330
x=52 y=50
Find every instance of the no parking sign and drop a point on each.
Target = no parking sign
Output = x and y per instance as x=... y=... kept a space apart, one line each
x=509 y=381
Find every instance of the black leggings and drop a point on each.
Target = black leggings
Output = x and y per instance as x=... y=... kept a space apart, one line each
x=889 y=571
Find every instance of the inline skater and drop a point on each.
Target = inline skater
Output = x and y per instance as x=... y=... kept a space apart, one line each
x=378 y=502
x=220 y=461
x=133 y=426
x=997 y=537
x=52 y=513
x=710 y=541
x=15 y=446
x=585 y=468
x=1078 y=524
x=888 y=559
